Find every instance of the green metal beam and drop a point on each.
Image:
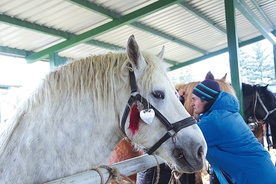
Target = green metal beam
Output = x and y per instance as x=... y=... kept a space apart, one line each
x=14 y=52
x=170 y=61
x=53 y=32
x=55 y=60
x=254 y=20
x=167 y=37
x=207 y=56
x=263 y=14
x=124 y=20
x=196 y=60
x=62 y=34
x=96 y=8
x=50 y=31
x=34 y=27
x=113 y=15
x=8 y=51
x=233 y=49
x=8 y=86
x=203 y=18
x=274 y=58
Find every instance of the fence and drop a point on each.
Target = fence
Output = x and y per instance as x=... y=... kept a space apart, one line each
x=127 y=168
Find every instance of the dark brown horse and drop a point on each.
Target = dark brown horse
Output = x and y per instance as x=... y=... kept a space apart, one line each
x=260 y=108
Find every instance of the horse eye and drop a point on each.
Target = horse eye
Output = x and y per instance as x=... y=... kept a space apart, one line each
x=158 y=94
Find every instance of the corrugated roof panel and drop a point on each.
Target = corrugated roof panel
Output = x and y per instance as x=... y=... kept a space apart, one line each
x=208 y=39
x=25 y=39
x=123 y=7
x=147 y=42
x=56 y=14
x=254 y=8
x=269 y=7
x=174 y=21
x=212 y=10
x=178 y=53
x=245 y=29
x=183 y=25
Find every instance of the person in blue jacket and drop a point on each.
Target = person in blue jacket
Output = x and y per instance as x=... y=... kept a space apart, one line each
x=233 y=152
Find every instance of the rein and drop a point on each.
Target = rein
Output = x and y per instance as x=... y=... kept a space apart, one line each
x=172 y=129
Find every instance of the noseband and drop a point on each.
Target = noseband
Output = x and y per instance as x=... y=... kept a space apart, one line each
x=172 y=129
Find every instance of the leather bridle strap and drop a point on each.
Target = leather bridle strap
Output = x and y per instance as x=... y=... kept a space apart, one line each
x=171 y=128
x=176 y=127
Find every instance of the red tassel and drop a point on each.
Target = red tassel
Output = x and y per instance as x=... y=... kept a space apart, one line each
x=134 y=119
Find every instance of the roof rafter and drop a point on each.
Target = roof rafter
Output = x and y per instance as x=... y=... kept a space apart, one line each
x=113 y=15
x=50 y=31
x=221 y=51
x=256 y=22
x=203 y=18
x=124 y=20
x=14 y=52
x=34 y=27
x=256 y=5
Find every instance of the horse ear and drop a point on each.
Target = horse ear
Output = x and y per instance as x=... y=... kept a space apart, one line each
x=210 y=76
x=224 y=78
x=161 y=53
x=133 y=53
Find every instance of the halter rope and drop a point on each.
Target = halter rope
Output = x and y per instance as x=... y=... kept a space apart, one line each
x=263 y=106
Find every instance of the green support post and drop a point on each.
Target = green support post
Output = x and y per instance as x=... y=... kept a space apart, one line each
x=274 y=56
x=55 y=60
x=233 y=50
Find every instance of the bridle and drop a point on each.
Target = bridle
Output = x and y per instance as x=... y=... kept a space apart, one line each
x=258 y=98
x=172 y=129
x=253 y=121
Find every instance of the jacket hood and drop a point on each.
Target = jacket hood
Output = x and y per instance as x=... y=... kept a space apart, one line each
x=226 y=101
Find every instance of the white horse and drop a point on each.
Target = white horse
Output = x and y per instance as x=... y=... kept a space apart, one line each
x=72 y=121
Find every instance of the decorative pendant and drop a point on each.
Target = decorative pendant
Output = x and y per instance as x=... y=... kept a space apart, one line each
x=147 y=115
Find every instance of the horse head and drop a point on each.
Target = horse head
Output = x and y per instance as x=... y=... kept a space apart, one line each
x=259 y=102
x=155 y=119
x=70 y=123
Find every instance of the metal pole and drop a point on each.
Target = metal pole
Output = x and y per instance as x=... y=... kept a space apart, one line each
x=127 y=168
x=233 y=50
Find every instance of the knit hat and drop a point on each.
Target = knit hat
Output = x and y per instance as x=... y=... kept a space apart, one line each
x=207 y=90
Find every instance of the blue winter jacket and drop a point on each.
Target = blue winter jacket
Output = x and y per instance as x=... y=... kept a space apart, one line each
x=232 y=147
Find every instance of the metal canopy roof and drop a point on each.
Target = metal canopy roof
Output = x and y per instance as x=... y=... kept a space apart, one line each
x=190 y=30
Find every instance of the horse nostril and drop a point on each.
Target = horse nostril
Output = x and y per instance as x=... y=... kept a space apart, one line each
x=200 y=152
x=178 y=153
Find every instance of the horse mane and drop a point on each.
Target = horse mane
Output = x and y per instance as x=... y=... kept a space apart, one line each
x=93 y=77
x=248 y=89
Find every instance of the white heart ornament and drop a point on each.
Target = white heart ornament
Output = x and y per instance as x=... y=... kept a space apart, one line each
x=147 y=115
